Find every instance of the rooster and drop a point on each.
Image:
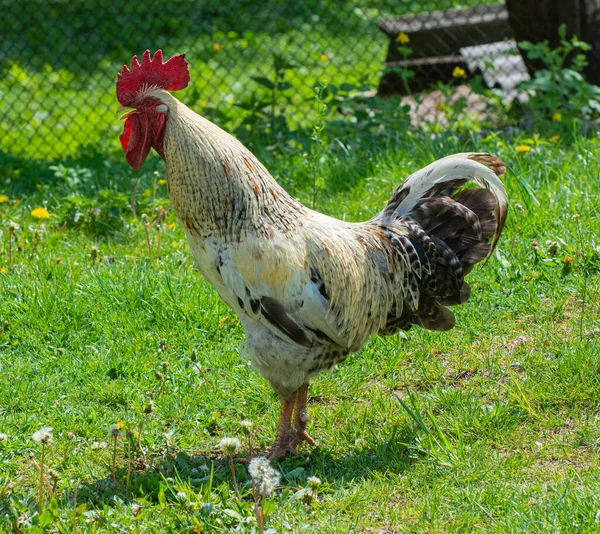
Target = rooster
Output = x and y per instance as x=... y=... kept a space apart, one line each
x=309 y=289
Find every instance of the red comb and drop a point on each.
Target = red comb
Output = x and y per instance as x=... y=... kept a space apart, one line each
x=170 y=76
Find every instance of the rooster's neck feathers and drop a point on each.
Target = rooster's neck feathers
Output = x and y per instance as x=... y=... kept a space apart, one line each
x=217 y=186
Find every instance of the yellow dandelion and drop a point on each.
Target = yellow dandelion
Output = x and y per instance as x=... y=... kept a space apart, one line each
x=554 y=138
x=40 y=213
x=3 y=270
x=323 y=57
x=170 y=226
x=458 y=72
x=556 y=117
x=120 y=425
x=3 y=198
x=161 y=182
x=522 y=148
x=217 y=47
x=403 y=38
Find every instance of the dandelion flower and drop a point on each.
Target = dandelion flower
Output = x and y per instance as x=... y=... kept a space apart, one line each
x=3 y=198
x=554 y=138
x=161 y=182
x=522 y=148
x=229 y=445
x=403 y=38
x=217 y=47
x=263 y=475
x=40 y=213
x=43 y=435
x=117 y=430
x=3 y=270
x=458 y=72
x=556 y=117
x=323 y=57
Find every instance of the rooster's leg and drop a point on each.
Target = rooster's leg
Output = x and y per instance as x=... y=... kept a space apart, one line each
x=300 y=417
x=284 y=440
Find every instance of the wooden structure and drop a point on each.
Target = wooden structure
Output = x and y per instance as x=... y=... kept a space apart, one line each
x=440 y=40
x=539 y=20
x=436 y=39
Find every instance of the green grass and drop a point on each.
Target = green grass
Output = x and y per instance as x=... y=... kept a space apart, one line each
x=501 y=431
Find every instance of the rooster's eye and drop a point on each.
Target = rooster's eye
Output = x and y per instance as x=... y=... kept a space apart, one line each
x=149 y=102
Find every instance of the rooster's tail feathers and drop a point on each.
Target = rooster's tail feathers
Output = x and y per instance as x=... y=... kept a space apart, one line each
x=463 y=218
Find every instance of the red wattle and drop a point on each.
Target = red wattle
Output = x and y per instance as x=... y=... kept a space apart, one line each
x=136 y=139
x=124 y=137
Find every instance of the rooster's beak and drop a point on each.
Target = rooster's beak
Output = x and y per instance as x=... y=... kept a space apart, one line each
x=130 y=111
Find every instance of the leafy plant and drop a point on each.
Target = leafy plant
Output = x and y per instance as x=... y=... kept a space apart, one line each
x=559 y=91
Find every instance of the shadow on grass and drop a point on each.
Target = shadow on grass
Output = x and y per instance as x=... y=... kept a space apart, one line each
x=149 y=482
x=176 y=471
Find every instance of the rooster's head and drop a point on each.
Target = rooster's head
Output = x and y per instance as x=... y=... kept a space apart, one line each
x=147 y=115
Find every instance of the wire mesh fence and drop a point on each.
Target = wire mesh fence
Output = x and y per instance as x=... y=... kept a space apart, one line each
x=59 y=59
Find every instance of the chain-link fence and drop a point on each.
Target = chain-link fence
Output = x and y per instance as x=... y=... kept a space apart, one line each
x=59 y=59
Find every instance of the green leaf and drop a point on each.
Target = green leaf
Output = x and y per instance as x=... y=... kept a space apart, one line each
x=233 y=513
x=53 y=507
x=161 y=497
x=295 y=474
x=270 y=507
x=265 y=82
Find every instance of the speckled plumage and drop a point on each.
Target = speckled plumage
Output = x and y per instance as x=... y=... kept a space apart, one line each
x=310 y=289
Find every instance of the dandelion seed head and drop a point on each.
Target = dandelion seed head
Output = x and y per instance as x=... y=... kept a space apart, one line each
x=43 y=435
x=230 y=445
x=246 y=425
x=313 y=482
x=263 y=474
x=3 y=437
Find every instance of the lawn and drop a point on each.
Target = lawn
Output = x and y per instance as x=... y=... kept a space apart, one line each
x=111 y=337
x=492 y=426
